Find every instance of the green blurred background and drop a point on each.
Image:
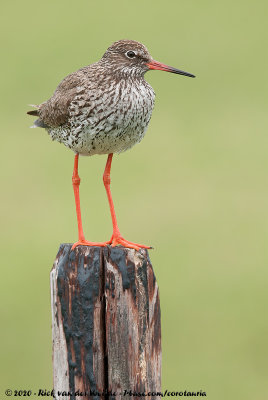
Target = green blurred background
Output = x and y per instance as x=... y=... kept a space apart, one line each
x=195 y=188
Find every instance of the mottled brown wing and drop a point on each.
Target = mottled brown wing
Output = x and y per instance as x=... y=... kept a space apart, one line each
x=55 y=111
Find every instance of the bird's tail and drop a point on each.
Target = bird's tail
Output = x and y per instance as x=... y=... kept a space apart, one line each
x=38 y=123
x=33 y=112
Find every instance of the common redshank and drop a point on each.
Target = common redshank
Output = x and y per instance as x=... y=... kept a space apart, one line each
x=103 y=108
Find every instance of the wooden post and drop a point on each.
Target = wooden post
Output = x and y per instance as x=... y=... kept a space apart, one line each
x=105 y=324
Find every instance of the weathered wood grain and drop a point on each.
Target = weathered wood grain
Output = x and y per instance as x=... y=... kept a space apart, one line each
x=133 y=335
x=105 y=323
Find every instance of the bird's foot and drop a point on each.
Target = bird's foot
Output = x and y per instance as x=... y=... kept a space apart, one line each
x=119 y=240
x=116 y=240
x=84 y=242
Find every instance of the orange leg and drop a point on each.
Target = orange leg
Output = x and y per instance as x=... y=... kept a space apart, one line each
x=76 y=183
x=116 y=238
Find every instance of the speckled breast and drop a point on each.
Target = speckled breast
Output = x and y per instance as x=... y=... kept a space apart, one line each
x=107 y=120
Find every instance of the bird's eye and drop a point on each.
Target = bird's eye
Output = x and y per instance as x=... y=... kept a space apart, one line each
x=130 y=54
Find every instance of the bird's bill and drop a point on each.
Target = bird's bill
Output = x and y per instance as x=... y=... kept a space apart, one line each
x=162 y=67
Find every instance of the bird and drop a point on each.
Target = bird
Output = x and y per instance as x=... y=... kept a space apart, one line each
x=103 y=108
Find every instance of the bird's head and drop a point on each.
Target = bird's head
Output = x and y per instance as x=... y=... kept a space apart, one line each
x=131 y=58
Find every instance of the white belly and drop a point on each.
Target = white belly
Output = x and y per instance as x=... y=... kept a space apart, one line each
x=107 y=125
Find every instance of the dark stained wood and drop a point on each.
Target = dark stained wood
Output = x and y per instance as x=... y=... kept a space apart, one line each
x=77 y=320
x=105 y=323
